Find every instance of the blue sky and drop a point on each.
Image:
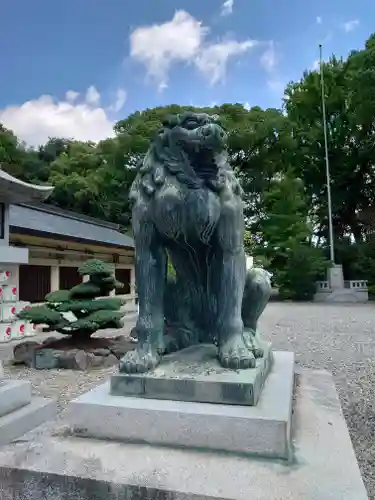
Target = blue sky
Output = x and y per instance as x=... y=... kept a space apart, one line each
x=74 y=68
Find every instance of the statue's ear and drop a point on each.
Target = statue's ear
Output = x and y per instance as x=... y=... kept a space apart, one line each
x=171 y=121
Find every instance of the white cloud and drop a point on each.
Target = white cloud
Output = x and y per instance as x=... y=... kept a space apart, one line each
x=319 y=20
x=71 y=95
x=36 y=120
x=269 y=61
x=350 y=25
x=121 y=96
x=212 y=60
x=92 y=95
x=227 y=8
x=269 y=58
x=315 y=65
x=182 y=40
x=160 y=45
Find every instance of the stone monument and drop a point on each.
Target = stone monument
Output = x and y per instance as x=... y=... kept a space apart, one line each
x=336 y=289
x=202 y=408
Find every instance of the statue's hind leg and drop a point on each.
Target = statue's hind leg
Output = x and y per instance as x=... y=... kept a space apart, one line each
x=256 y=296
x=150 y=270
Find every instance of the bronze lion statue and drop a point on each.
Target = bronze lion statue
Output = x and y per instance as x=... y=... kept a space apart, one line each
x=188 y=207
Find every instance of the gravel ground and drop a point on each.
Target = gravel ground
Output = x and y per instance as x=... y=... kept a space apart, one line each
x=339 y=338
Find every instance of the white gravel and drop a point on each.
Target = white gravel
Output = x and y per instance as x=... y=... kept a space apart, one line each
x=339 y=338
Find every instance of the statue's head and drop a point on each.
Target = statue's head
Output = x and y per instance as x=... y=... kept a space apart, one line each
x=191 y=147
x=196 y=133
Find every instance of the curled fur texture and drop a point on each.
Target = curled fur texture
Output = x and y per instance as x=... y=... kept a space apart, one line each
x=190 y=148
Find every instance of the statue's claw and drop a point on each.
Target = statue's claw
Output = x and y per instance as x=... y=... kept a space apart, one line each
x=143 y=359
x=234 y=354
x=253 y=343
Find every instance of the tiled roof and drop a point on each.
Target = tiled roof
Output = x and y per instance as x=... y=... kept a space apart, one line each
x=13 y=190
x=46 y=219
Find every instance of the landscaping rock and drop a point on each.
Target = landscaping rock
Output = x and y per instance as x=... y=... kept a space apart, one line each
x=110 y=361
x=46 y=359
x=73 y=359
x=55 y=353
x=67 y=359
x=49 y=340
x=94 y=361
x=24 y=352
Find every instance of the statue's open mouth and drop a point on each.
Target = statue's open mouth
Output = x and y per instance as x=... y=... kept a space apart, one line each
x=203 y=146
x=204 y=164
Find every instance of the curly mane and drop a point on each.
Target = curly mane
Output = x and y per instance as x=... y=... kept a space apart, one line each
x=166 y=158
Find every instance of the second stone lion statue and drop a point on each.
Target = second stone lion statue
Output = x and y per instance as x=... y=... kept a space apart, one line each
x=187 y=207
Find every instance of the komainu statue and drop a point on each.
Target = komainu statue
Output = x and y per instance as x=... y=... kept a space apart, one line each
x=187 y=207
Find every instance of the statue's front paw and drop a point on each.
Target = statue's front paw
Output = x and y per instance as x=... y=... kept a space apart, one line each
x=234 y=354
x=143 y=359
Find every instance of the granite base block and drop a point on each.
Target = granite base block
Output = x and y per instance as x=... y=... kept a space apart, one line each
x=51 y=464
x=14 y=394
x=263 y=429
x=18 y=422
x=194 y=374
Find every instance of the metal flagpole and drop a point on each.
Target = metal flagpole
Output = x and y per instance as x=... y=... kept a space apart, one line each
x=330 y=225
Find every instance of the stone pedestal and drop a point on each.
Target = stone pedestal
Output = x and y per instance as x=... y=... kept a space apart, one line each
x=19 y=411
x=263 y=429
x=194 y=374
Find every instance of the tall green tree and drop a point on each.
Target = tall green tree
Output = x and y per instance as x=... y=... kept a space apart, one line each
x=284 y=222
x=350 y=112
x=286 y=244
x=261 y=145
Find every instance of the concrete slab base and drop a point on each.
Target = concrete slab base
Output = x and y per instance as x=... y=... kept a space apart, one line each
x=14 y=394
x=263 y=429
x=51 y=464
x=194 y=374
x=19 y=411
x=19 y=422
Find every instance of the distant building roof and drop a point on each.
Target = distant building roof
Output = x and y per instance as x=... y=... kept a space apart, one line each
x=61 y=223
x=13 y=190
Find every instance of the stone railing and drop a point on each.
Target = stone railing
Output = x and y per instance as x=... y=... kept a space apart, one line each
x=322 y=286
x=356 y=284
